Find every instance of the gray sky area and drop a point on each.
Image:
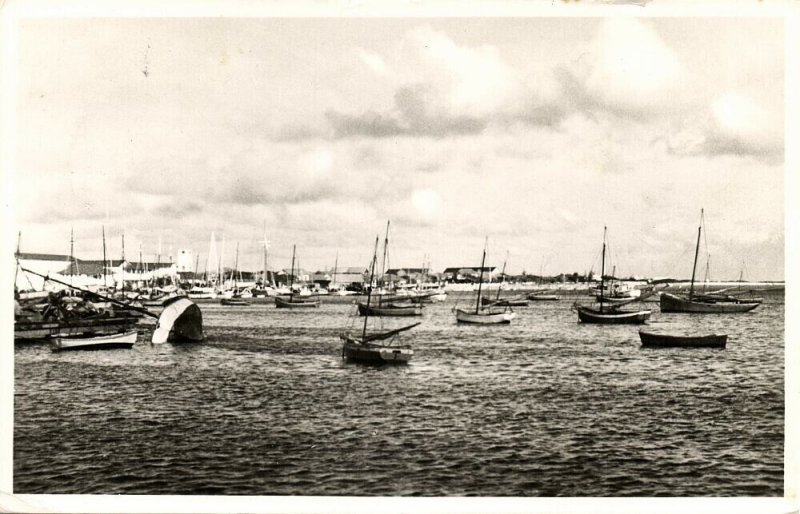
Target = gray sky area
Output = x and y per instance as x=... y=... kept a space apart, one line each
x=535 y=132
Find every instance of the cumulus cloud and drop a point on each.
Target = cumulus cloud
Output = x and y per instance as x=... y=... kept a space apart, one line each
x=626 y=69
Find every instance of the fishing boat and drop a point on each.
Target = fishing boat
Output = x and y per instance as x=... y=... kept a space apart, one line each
x=295 y=302
x=84 y=341
x=519 y=301
x=375 y=348
x=484 y=315
x=390 y=303
x=659 y=340
x=704 y=303
x=236 y=297
x=610 y=314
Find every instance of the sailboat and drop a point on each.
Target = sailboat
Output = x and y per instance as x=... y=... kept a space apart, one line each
x=375 y=348
x=542 y=295
x=484 y=315
x=610 y=313
x=237 y=297
x=294 y=302
x=505 y=302
x=389 y=303
x=707 y=302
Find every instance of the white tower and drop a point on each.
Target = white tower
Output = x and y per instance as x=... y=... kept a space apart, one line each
x=185 y=261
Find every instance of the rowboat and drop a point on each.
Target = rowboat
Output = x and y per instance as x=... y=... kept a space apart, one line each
x=683 y=341
x=234 y=301
x=610 y=315
x=63 y=342
x=542 y=297
x=390 y=309
x=484 y=318
x=505 y=302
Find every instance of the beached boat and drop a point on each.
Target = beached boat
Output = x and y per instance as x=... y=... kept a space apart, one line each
x=704 y=303
x=484 y=315
x=375 y=348
x=610 y=314
x=295 y=302
x=659 y=340
x=62 y=342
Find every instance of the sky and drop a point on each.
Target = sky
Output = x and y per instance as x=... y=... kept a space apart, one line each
x=534 y=132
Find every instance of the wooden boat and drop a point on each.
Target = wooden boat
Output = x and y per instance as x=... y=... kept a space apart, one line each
x=41 y=329
x=682 y=341
x=542 y=297
x=390 y=309
x=610 y=314
x=704 y=303
x=234 y=301
x=505 y=302
x=484 y=315
x=375 y=348
x=62 y=342
x=295 y=302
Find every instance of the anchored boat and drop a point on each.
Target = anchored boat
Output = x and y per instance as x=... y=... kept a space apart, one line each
x=658 y=340
x=63 y=342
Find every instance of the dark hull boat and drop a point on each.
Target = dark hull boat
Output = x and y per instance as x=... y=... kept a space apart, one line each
x=675 y=303
x=370 y=352
x=611 y=316
x=234 y=301
x=682 y=341
x=296 y=303
x=389 y=310
x=42 y=329
x=506 y=302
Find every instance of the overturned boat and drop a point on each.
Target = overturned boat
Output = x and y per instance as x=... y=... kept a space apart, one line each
x=181 y=320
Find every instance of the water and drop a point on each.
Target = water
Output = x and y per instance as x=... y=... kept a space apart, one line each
x=543 y=407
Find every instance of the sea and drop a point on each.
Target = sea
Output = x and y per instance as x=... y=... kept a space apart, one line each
x=545 y=406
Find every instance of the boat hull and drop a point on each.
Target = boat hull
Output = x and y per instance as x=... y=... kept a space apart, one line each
x=66 y=342
x=234 y=301
x=651 y=339
x=484 y=318
x=294 y=303
x=542 y=297
x=674 y=303
x=375 y=354
x=400 y=311
x=612 y=317
x=42 y=329
x=181 y=320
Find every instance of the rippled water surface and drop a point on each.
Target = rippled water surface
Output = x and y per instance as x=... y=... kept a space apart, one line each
x=545 y=406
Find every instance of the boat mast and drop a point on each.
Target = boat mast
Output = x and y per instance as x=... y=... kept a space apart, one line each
x=335 y=265
x=503 y=279
x=236 y=269
x=480 y=280
x=696 y=251
x=71 y=254
x=369 y=289
x=105 y=282
x=291 y=275
x=122 y=265
x=603 y=269
x=385 y=247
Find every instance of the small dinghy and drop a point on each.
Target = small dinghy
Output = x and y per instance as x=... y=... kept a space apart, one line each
x=657 y=340
x=62 y=342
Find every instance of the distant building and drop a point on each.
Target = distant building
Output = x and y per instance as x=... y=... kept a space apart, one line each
x=467 y=274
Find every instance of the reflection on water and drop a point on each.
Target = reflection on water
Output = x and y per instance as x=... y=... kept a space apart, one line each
x=544 y=406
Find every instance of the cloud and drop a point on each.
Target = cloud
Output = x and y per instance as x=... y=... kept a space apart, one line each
x=626 y=69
